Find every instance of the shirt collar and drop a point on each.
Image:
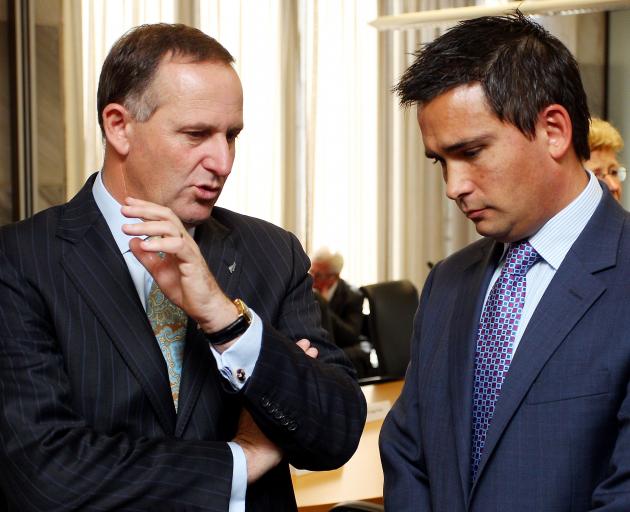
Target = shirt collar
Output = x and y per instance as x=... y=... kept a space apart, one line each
x=559 y=233
x=110 y=208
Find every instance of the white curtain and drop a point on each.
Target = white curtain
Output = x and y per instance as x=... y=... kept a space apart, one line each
x=258 y=34
x=417 y=224
x=104 y=21
x=340 y=76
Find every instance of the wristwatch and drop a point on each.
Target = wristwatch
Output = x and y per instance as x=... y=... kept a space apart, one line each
x=236 y=328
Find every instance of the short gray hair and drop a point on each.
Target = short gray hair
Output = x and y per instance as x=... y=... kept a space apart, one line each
x=334 y=260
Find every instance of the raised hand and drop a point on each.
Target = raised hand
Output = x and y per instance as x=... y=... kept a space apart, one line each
x=173 y=258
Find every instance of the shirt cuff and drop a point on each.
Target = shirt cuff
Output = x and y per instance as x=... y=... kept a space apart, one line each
x=237 y=363
x=239 y=478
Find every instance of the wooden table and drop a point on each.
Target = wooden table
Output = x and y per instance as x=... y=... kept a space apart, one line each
x=361 y=478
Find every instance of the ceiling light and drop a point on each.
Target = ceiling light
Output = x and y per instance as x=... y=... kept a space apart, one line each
x=541 y=7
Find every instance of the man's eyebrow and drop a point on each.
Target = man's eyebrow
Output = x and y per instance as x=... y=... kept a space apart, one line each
x=458 y=146
x=201 y=126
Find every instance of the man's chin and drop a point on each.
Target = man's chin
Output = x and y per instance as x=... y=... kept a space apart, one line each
x=194 y=216
x=490 y=230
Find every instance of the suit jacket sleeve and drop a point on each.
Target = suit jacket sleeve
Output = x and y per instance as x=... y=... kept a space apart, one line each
x=406 y=483
x=312 y=408
x=52 y=460
x=613 y=494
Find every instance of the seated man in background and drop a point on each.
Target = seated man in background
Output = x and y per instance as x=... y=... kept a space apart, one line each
x=605 y=142
x=133 y=375
x=345 y=306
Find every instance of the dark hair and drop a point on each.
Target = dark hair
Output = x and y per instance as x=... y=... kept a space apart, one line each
x=521 y=67
x=133 y=61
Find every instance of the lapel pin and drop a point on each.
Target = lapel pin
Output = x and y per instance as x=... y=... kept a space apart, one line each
x=232 y=267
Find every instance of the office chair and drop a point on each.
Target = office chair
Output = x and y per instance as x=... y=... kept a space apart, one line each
x=357 y=506
x=393 y=305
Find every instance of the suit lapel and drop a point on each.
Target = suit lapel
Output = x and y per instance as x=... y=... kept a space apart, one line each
x=570 y=294
x=462 y=350
x=97 y=269
x=217 y=246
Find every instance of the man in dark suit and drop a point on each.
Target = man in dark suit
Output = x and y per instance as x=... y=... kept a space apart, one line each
x=516 y=397
x=346 y=304
x=343 y=305
x=159 y=353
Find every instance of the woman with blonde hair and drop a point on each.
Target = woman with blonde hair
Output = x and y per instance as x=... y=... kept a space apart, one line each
x=605 y=142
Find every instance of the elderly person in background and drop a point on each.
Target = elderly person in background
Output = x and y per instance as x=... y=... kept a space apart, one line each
x=345 y=306
x=605 y=142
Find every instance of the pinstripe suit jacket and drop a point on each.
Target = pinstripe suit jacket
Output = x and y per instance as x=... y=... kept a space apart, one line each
x=87 y=420
x=559 y=440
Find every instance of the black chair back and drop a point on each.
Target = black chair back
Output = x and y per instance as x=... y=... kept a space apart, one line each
x=393 y=305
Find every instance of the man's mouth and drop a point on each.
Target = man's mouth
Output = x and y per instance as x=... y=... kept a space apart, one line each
x=207 y=192
x=474 y=214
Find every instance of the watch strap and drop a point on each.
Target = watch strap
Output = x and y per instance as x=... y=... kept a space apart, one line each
x=233 y=330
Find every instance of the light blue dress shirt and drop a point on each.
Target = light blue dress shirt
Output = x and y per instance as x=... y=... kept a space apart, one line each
x=552 y=242
x=242 y=355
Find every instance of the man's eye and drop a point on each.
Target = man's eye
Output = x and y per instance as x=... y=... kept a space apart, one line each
x=471 y=153
x=195 y=135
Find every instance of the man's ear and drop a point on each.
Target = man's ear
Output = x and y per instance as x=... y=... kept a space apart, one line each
x=117 y=126
x=555 y=121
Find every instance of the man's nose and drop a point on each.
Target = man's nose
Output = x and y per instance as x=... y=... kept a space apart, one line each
x=458 y=183
x=219 y=155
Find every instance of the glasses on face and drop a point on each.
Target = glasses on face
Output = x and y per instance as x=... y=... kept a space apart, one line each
x=320 y=275
x=619 y=173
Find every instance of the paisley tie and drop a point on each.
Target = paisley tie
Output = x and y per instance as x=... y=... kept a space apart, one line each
x=169 y=326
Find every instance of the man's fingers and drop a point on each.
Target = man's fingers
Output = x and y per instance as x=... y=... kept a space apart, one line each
x=151 y=260
x=153 y=228
x=305 y=345
x=169 y=244
x=137 y=208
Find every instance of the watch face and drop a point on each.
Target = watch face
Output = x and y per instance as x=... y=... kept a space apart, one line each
x=243 y=310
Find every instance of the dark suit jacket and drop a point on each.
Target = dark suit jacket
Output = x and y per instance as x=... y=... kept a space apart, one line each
x=346 y=307
x=87 y=420
x=559 y=440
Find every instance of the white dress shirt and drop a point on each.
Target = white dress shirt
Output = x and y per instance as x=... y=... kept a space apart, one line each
x=242 y=355
x=552 y=242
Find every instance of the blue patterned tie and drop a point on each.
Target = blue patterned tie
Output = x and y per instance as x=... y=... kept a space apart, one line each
x=169 y=326
x=497 y=330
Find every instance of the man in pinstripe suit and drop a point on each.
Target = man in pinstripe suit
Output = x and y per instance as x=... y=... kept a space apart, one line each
x=88 y=418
